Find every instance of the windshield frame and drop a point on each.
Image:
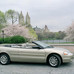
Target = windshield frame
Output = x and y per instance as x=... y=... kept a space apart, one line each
x=41 y=44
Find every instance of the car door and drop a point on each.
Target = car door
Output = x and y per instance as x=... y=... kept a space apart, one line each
x=14 y=54
x=31 y=55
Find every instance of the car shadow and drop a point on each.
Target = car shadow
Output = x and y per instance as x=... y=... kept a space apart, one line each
x=25 y=63
x=66 y=64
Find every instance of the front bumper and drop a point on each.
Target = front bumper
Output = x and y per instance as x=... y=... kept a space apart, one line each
x=68 y=58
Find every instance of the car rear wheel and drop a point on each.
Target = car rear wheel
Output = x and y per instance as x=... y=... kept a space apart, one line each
x=4 y=59
x=54 y=60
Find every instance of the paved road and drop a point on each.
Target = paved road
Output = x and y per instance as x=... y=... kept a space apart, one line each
x=25 y=68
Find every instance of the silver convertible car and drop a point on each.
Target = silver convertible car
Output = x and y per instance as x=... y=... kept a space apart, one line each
x=35 y=52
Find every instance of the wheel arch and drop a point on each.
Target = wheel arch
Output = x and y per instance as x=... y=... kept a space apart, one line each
x=4 y=53
x=55 y=54
x=7 y=56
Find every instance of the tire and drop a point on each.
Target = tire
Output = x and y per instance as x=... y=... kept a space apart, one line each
x=54 y=60
x=4 y=59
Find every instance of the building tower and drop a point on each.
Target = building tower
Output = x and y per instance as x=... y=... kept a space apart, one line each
x=46 y=29
x=21 y=19
x=27 y=19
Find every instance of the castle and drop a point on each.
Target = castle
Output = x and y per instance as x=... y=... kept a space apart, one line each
x=39 y=30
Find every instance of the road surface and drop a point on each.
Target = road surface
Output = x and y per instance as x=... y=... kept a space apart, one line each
x=31 y=68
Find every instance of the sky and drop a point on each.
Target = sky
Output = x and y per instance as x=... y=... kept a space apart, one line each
x=56 y=14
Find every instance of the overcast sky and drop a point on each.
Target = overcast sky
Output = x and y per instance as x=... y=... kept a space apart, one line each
x=56 y=14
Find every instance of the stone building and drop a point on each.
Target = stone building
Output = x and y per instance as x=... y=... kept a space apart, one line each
x=39 y=30
x=21 y=19
x=46 y=29
x=27 y=19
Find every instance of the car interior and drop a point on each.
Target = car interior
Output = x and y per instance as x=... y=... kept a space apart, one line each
x=25 y=46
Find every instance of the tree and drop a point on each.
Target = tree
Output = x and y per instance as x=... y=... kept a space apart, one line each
x=60 y=35
x=46 y=35
x=2 y=20
x=51 y=35
x=19 y=30
x=70 y=32
x=12 y=16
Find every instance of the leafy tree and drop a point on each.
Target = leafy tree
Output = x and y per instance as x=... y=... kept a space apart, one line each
x=12 y=16
x=40 y=36
x=2 y=20
x=70 y=32
x=60 y=35
x=46 y=35
x=51 y=35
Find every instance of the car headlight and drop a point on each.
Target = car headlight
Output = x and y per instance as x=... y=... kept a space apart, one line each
x=67 y=53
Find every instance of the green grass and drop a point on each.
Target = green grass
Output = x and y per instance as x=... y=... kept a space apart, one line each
x=60 y=42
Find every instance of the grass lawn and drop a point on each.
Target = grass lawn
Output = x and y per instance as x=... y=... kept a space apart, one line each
x=60 y=42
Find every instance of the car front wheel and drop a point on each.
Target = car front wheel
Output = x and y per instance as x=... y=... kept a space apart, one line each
x=4 y=59
x=54 y=60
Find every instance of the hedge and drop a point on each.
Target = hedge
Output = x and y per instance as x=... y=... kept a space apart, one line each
x=14 y=39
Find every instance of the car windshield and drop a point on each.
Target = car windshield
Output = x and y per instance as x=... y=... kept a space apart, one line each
x=43 y=45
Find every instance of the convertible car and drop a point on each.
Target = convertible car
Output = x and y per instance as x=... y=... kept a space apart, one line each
x=34 y=52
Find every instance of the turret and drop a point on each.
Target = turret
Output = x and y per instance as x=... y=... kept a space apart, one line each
x=21 y=19
x=46 y=29
x=27 y=19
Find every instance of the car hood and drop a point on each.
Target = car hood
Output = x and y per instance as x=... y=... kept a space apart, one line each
x=62 y=49
x=59 y=49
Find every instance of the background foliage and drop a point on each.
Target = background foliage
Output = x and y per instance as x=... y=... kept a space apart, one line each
x=51 y=35
x=14 y=39
x=13 y=16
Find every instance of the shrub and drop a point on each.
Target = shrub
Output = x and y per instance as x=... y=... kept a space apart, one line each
x=1 y=40
x=18 y=39
x=14 y=39
x=7 y=40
